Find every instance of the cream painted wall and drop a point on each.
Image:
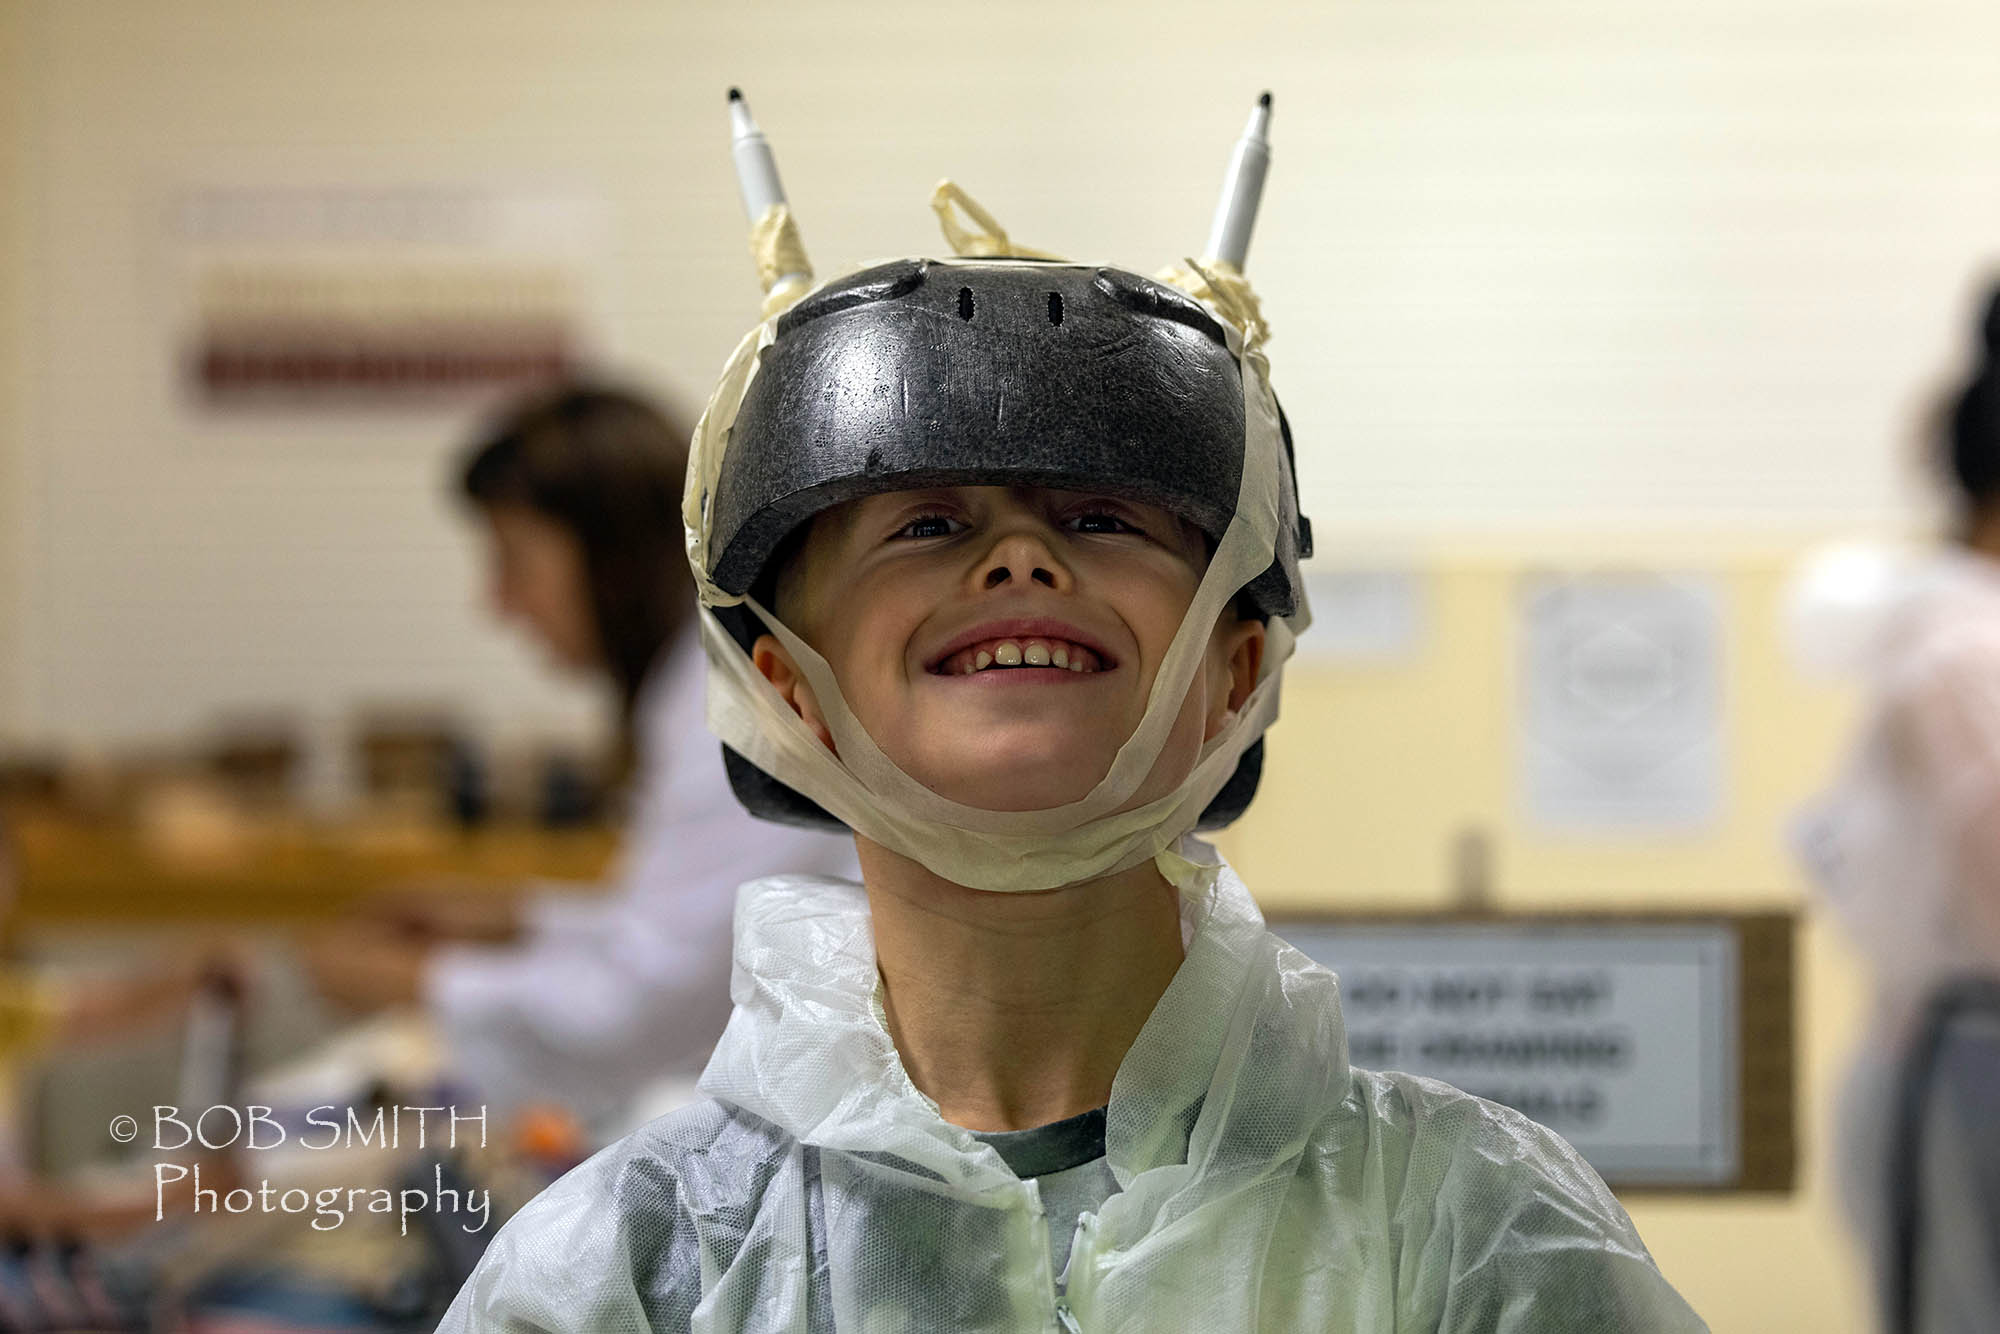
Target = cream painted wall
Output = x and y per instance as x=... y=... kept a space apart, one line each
x=1426 y=748
x=16 y=90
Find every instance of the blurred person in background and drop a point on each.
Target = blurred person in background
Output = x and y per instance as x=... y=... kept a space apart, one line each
x=1906 y=848
x=554 y=998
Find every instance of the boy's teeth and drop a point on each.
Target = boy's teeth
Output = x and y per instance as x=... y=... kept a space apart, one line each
x=1019 y=653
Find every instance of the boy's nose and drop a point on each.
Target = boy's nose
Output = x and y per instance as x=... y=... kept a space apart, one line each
x=1021 y=558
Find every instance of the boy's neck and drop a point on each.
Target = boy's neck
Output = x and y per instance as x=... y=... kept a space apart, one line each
x=1015 y=1010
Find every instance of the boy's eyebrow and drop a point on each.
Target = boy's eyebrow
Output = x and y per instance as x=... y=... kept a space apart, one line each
x=858 y=511
x=846 y=519
x=917 y=493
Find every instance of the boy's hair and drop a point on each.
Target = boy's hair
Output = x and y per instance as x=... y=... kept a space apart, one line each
x=774 y=588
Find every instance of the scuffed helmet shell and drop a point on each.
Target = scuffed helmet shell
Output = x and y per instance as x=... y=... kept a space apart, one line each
x=1008 y=372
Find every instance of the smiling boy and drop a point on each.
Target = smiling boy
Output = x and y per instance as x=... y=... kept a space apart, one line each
x=999 y=565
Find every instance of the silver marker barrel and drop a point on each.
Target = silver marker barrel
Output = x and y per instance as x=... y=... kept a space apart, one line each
x=1236 y=214
x=756 y=169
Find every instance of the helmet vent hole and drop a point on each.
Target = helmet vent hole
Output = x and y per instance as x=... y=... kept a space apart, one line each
x=1055 y=309
x=965 y=303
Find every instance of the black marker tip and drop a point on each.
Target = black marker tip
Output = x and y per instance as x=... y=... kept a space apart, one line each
x=736 y=94
x=1263 y=101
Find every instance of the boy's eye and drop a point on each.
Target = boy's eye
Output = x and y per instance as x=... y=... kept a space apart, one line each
x=1102 y=521
x=930 y=525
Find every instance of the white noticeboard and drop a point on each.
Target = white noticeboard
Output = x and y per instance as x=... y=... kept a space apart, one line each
x=1621 y=702
x=1621 y=1038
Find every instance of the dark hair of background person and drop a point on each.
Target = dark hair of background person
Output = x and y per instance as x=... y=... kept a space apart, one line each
x=1971 y=424
x=609 y=466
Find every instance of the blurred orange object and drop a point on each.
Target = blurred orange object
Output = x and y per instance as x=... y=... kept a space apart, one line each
x=549 y=1133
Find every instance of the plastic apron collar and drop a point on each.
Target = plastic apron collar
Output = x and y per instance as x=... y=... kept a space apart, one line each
x=806 y=1048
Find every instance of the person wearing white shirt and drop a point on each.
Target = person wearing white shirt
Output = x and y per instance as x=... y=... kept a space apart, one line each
x=1905 y=850
x=559 y=997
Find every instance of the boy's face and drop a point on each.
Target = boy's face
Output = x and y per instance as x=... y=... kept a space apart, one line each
x=922 y=602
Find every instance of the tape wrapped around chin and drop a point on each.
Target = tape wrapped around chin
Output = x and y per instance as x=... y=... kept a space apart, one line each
x=1002 y=851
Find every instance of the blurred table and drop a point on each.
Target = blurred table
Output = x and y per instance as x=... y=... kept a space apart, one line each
x=276 y=869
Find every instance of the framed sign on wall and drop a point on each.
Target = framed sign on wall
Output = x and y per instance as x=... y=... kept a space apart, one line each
x=1660 y=1046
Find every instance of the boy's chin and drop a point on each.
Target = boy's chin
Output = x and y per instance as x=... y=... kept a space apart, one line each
x=1015 y=793
x=998 y=782
x=1034 y=771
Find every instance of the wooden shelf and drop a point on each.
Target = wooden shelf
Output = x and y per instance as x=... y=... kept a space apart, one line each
x=277 y=869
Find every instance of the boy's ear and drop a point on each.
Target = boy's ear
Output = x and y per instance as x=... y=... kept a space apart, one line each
x=768 y=656
x=1243 y=646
